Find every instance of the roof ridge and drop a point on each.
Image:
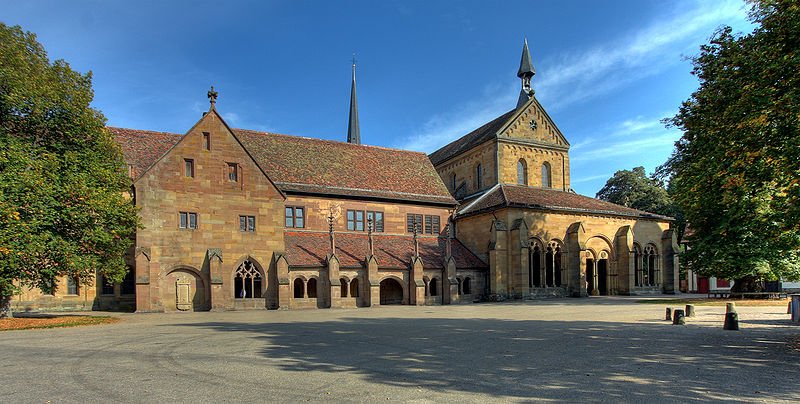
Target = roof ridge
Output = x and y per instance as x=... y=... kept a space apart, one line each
x=259 y=132
x=463 y=139
x=143 y=130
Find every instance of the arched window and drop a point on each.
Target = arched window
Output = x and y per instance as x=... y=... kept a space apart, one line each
x=522 y=172
x=343 y=287
x=478 y=177
x=546 y=183
x=312 y=288
x=453 y=181
x=354 y=288
x=299 y=288
x=434 y=285
x=651 y=265
x=247 y=282
x=535 y=268
x=467 y=286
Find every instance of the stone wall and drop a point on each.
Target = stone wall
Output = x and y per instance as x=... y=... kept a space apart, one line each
x=464 y=167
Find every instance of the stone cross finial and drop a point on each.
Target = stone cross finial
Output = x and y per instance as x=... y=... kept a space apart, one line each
x=212 y=96
x=448 y=247
x=331 y=220
x=369 y=237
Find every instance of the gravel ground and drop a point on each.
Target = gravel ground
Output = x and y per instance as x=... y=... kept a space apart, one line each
x=595 y=349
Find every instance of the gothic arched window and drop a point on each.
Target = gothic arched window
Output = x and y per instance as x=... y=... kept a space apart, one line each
x=522 y=172
x=247 y=282
x=478 y=177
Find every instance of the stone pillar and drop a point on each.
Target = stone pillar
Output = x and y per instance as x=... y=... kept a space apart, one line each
x=142 y=269
x=333 y=280
x=416 y=291
x=623 y=245
x=449 y=282
x=282 y=294
x=373 y=285
x=576 y=264
x=219 y=299
x=670 y=279
x=498 y=259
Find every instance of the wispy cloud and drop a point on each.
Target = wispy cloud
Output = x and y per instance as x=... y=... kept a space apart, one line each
x=574 y=77
x=589 y=178
x=589 y=73
x=640 y=135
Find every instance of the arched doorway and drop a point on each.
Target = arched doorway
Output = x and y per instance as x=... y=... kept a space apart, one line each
x=185 y=291
x=591 y=275
x=391 y=292
x=602 y=274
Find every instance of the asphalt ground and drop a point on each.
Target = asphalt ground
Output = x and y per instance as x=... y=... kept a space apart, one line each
x=598 y=349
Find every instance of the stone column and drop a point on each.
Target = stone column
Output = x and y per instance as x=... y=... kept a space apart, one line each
x=333 y=280
x=416 y=292
x=373 y=285
x=626 y=275
x=283 y=293
x=498 y=259
x=219 y=299
x=576 y=264
x=449 y=284
x=670 y=279
x=143 y=298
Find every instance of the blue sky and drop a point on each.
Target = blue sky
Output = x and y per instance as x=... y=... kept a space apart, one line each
x=428 y=71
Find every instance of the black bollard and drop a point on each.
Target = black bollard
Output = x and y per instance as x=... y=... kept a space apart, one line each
x=689 y=310
x=730 y=307
x=731 y=321
x=678 y=318
x=669 y=314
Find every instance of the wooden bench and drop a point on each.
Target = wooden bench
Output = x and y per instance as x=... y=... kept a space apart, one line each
x=768 y=295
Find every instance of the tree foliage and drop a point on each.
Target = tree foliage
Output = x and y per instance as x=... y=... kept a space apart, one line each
x=634 y=189
x=65 y=204
x=736 y=171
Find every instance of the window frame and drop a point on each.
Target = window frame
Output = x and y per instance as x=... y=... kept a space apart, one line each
x=206 y=141
x=247 y=223
x=353 y=224
x=185 y=220
x=73 y=283
x=188 y=168
x=294 y=216
x=233 y=173
x=375 y=222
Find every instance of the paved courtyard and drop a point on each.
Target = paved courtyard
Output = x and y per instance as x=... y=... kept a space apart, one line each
x=596 y=349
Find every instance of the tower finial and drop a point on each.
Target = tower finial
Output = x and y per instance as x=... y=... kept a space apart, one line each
x=526 y=73
x=353 y=131
x=212 y=97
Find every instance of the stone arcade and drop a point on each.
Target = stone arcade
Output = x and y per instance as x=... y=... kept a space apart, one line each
x=239 y=219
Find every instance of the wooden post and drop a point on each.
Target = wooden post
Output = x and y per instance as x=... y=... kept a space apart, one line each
x=678 y=318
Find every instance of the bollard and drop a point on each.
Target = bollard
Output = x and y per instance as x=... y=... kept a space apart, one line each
x=689 y=310
x=789 y=309
x=731 y=321
x=678 y=318
x=730 y=307
x=669 y=314
x=795 y=307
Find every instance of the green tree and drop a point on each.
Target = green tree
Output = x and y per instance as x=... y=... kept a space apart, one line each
x=634 y=189
x=735 y=173
x=65 y=205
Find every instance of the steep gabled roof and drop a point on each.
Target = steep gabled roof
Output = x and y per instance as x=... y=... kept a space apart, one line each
x=472 y=139
x=309 y=249
x=141 y=148
x=519 y=196
x=307 y=165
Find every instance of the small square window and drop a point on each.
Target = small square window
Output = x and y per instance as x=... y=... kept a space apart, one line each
x=247 y=223
x=206 y=141
x=187 y=220
x=72 y=286
x=233 y=172
x=295 y=217
x=188 y=167
x=377 y=221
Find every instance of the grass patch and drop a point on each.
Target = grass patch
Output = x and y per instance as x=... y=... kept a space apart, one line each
x=53 y=321
x=717 y=302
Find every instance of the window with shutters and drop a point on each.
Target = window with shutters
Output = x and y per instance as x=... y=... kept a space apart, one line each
x=413 y=220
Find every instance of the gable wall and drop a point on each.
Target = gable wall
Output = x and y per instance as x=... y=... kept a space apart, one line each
x=534 y=158
x=164 y=191
x=464 y=166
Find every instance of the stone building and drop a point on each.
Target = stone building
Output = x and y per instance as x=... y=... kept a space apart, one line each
x=239 y=219
x=518 y=213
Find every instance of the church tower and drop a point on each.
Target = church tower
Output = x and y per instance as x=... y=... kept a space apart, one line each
x=353 y=132
x=525 y=72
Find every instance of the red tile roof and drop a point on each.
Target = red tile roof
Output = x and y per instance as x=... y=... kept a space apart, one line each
x=141 y=148
x=471 y=139
x=520 y=196
x=306 y=165
x=309 y=249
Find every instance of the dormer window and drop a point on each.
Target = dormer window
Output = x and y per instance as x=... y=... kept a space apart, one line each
x=233 y=172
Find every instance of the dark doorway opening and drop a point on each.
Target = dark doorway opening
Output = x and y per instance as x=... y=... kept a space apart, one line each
x=602 y=276
x=391 y=292
x=590 y=276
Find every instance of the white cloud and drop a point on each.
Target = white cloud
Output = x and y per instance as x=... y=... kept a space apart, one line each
x=589 y=73
x=590 y=178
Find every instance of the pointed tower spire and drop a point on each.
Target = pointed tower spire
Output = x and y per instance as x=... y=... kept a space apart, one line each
x=525 y=72
x=353 y=132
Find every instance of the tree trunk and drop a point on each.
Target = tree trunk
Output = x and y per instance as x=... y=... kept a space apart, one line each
x=5 y=307
x=746 y=284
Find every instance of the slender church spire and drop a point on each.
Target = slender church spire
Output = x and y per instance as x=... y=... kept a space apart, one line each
x=353 y=132
x=525 y=72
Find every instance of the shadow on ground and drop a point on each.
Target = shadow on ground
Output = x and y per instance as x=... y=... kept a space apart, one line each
x=567 y=360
